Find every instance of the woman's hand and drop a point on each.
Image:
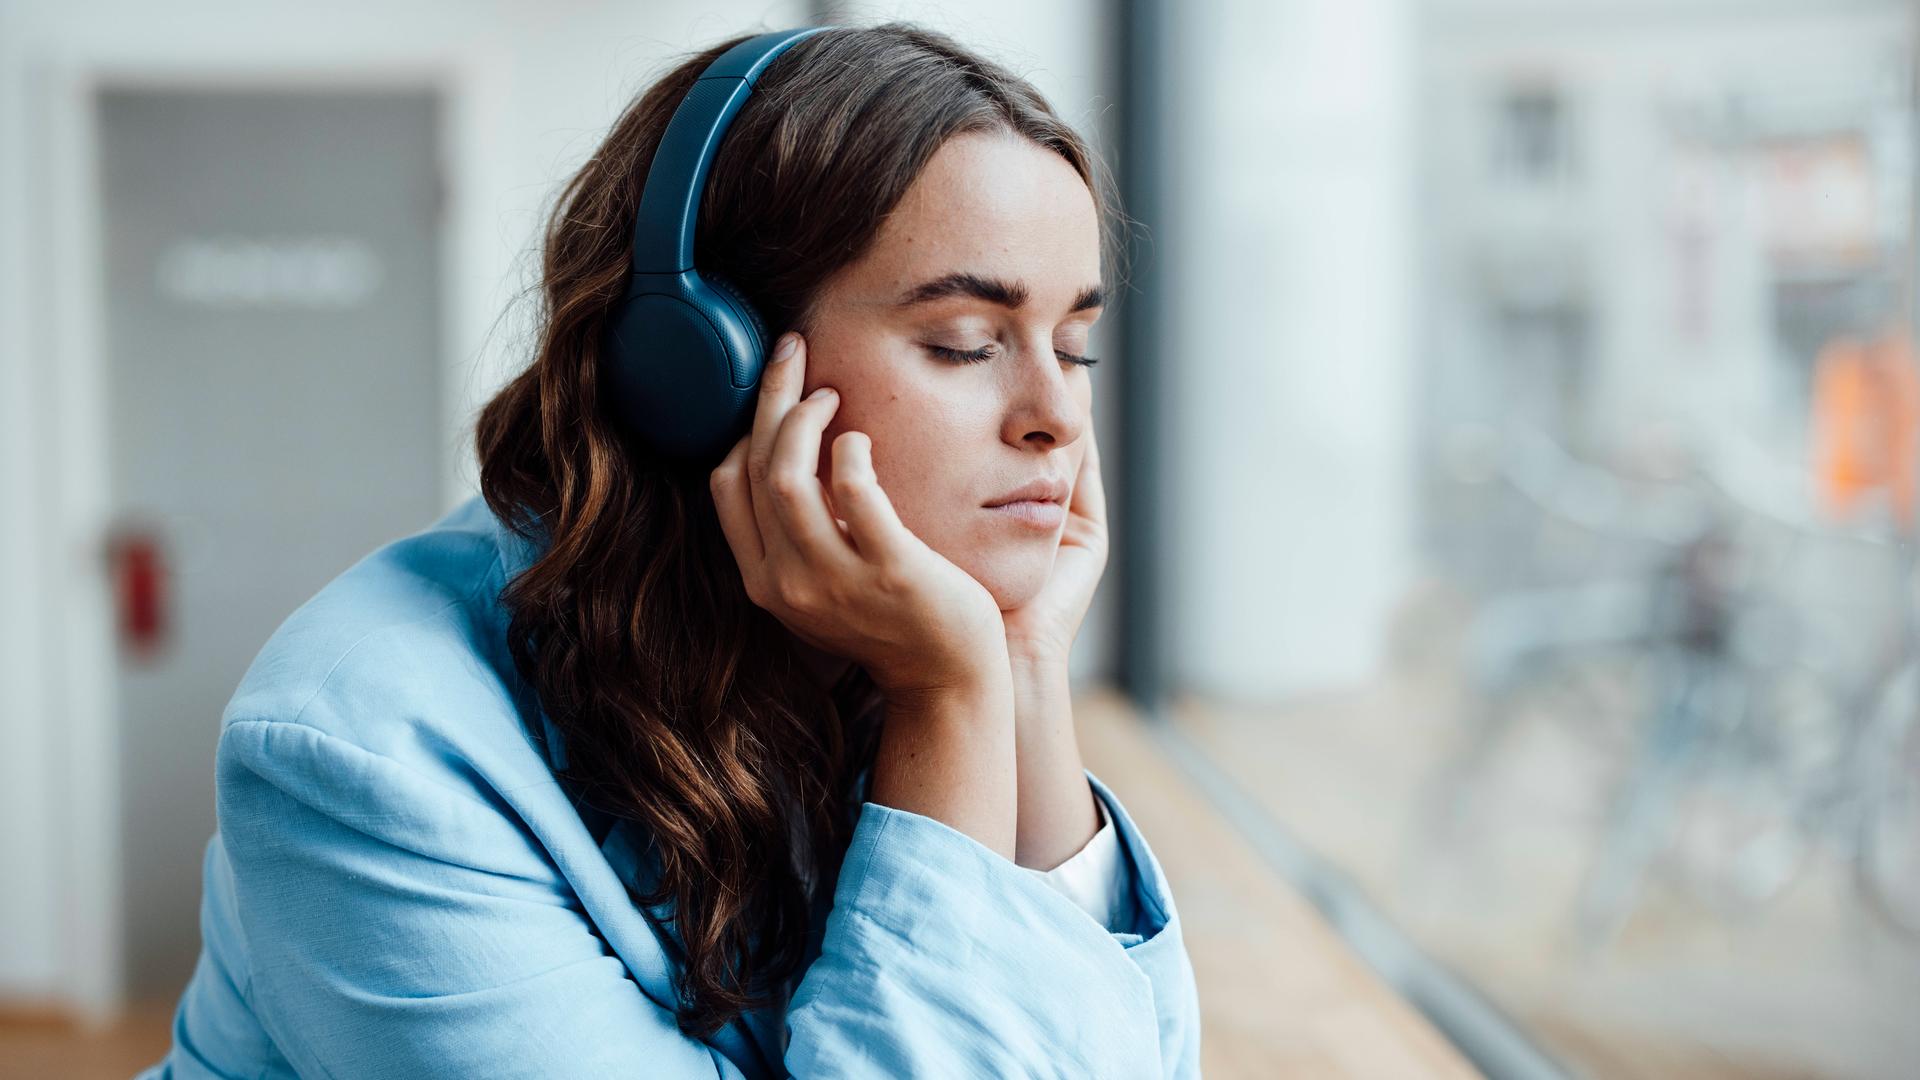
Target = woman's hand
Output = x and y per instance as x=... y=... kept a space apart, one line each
x=1043 y=628
x=874 y=593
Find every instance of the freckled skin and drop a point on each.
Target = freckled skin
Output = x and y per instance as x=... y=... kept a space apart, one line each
x=950 y=436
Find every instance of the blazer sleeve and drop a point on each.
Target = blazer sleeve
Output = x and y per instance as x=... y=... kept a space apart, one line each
x=939 y=948
x=1097 y=877
x=401 y=925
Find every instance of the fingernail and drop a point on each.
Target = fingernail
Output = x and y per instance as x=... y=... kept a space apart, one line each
x=788 y=342
x=820 y=392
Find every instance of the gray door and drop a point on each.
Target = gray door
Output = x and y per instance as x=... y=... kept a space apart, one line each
x=273 y=339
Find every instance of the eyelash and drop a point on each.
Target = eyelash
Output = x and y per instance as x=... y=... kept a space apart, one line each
x=985 y=353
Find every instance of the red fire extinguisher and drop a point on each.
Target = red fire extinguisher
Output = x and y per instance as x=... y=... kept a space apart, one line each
x=142 y=586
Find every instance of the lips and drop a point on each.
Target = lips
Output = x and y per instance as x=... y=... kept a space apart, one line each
x=1042 y=515
x=1046 y=489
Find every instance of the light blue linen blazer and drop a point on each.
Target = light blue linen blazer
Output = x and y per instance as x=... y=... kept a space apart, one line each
x=400 y=887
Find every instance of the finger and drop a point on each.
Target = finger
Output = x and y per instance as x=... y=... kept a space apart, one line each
x=871 y=521
x=838 y=521
x=734 y=505
x=780 y=386
x=794 y=481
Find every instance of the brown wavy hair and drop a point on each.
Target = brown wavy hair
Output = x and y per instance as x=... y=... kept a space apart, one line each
x=685 y=708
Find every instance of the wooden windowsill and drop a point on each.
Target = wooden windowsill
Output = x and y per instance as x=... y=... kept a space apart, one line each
x=1281 y=994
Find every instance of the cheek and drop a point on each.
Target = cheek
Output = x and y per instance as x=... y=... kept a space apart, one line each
x=852 y=376
x=854 y=414
x=906 y=422
x=921 y=462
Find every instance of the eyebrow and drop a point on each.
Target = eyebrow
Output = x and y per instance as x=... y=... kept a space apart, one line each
x=1010 y=294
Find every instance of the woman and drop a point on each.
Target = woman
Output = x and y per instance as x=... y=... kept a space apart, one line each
x=765 y=767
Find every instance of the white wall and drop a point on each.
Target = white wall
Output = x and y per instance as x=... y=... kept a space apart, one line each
x=29 y=957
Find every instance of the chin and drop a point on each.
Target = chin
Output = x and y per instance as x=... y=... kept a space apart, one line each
x=1013 y=579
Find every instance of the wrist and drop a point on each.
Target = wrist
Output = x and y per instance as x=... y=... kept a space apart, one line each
x=967 y=711
x=988 y=677
x=1035 y=661
x=1042 y=696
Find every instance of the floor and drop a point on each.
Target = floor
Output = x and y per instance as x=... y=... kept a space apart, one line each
x=38 y=1044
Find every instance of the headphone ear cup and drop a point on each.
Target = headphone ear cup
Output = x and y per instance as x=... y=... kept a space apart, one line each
x=685 y=353
x=748 y=316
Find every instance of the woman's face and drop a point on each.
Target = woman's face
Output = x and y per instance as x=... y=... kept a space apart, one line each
x=994 y=251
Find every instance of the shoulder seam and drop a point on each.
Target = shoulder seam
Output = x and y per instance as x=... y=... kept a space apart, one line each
x=325 y=680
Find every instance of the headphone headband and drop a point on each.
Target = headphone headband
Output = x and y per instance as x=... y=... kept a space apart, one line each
x=684 y=350
x=670 y=201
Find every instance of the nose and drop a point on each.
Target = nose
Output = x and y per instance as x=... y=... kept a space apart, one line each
x=1044 y=405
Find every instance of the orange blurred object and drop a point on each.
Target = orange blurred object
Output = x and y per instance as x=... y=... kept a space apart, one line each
x=1866 y=424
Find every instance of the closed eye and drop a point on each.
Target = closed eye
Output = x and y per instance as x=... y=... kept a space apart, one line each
x=988 y=352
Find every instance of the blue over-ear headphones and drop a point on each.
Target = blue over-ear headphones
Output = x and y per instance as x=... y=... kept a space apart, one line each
x=684 y=351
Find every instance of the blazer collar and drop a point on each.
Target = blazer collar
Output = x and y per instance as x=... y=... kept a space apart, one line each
x=516 y=552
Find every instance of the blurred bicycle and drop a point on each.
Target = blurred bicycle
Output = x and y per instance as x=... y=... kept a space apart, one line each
x=1750 y=665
